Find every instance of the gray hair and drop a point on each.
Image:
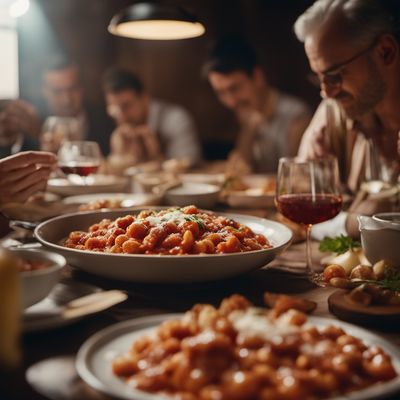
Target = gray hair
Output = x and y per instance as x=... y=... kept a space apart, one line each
x=367 y=18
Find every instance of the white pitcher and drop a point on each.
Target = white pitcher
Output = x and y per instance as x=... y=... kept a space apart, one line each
x=380 y=237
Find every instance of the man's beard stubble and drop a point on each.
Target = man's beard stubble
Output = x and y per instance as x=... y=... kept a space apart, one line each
x=370 y=95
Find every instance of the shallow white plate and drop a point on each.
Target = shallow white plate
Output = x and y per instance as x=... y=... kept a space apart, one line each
x=128 y=199
x=47 y=313
x=75 y=185
x=161 y=268
x=97 y=353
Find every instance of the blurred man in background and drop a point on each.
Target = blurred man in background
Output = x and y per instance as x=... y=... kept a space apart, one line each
x=147 y=129
x=271 y=122
x=353 y=47
x=64 y=95
x=21 y=127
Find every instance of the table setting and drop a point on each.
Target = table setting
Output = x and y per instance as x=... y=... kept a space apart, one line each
x=133 y=258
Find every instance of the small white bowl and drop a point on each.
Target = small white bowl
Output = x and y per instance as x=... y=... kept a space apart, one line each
x=36 y=285
x=201 y=195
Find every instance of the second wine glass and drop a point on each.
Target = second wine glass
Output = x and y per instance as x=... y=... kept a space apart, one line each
x=308 y=192
x=82 y=158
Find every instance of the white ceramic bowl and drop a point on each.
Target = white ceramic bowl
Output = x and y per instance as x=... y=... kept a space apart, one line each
x=200 y=194
x=161 y=268
x=255 y=195
x=380 y=237
x=36 y=285
x=212 y=179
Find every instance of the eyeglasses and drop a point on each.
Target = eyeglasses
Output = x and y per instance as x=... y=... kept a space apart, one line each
x=333 y=77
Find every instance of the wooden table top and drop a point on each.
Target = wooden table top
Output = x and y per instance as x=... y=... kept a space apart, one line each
x=148 y=299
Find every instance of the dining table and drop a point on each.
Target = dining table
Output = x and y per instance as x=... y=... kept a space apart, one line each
x=47 y=369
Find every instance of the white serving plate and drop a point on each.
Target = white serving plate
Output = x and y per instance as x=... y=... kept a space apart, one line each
x=128 y=199
x=161 y=268
x=76 y=185
x=95 y=356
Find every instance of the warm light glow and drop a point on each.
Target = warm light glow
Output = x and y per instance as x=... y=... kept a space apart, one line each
x=18 y=8
x=158 y=29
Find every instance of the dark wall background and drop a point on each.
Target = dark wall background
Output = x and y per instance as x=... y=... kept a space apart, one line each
x=170 y=69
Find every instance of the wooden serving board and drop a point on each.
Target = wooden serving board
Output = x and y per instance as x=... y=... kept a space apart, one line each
x=378 y=316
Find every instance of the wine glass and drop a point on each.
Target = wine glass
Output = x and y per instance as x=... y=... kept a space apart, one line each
x=56 y=130
x=81 y=158
x=308 y=193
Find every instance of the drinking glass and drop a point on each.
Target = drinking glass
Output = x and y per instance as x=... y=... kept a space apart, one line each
x=308 y=192
x=57 y=130
x=82 y=158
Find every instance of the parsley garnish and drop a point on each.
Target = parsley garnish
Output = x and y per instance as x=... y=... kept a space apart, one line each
x=339 y=244
x=194 y=218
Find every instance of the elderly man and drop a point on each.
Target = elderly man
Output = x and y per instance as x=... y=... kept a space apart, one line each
x=271 y=122
x=147 y=129
x=353 y=49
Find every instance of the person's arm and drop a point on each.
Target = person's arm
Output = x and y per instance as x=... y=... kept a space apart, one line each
x=315 y=141
x=24 y=174
x=295 y=132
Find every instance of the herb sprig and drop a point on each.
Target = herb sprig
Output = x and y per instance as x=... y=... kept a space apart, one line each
x=391 y=280
x=339 y=244
x=195 y=218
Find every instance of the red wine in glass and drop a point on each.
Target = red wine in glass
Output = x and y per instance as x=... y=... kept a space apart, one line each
x=307 y=209
x=82 y=169
x=308 y=193
x=82 y=158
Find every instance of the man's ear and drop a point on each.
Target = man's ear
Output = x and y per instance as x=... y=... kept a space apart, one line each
x=388 y=49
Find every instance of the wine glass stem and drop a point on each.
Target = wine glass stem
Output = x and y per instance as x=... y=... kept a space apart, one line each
x=308 y=250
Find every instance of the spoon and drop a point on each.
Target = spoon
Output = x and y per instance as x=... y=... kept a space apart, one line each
x=93 y=303
x=85 y=305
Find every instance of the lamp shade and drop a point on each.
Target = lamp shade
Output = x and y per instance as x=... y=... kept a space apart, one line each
x=155 y=21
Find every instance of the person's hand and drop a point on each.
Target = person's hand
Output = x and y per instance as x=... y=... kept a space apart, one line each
x=318 y=146
x=139 y=142
x=249 y=118
x=18 y=117
x=24 y=174
x=236 y=165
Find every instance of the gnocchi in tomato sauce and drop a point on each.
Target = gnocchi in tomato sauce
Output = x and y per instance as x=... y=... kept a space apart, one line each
x=239 y=352
x=173 y=231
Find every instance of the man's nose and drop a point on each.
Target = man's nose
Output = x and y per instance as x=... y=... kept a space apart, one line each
x=66 y=98
x=329 y=91
x=230 y=100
